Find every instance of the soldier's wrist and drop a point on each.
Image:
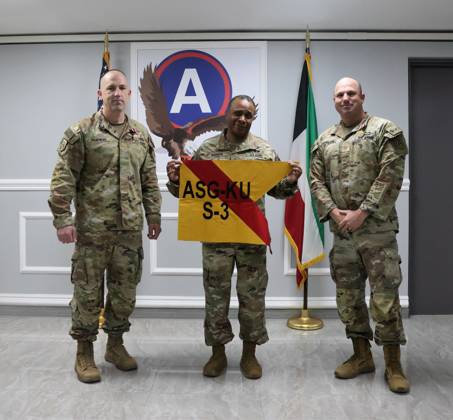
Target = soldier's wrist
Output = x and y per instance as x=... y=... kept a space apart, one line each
x=153 y=219
x=61 y=222
x=364 y=213
x=365 y=210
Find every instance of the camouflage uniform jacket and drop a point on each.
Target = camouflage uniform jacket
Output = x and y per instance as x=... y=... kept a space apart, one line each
x=108 y=173
x=359 y=168
x=252 y=148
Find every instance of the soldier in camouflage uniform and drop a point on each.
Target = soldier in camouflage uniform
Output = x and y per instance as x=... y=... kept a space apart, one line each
x=106 y=164
x=357 y=171
x=236 y=143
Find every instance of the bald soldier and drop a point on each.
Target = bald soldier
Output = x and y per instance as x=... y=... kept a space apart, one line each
x=357 y=171
x=106 y=164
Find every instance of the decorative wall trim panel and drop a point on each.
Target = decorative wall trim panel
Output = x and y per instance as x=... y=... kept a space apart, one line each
x=169 y=271
x=291 y=271
x=24 y=268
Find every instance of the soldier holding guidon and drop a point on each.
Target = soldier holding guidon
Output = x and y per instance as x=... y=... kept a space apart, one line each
x=236 y=143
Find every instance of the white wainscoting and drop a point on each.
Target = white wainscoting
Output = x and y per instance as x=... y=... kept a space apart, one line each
x=145 y=301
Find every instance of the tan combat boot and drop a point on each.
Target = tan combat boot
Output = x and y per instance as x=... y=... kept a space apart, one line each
x=84 y=366
x=217 y=362
x=250 y=367
x=394 y=375
x=360 y=362
x=117 y=354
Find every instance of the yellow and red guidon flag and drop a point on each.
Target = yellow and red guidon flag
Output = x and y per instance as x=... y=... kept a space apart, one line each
x=217 y=200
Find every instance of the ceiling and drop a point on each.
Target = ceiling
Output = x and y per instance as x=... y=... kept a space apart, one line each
x=32 y=17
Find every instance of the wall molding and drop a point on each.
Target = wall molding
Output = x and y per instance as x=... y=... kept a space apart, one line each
x=169 y=271
x=34 y=184
x=198 y=271
x=176 y=302
x=31 y=184
x=24 y=217
x=320 y=35
x=291 y=271
x=172 y=271
x=24 y=268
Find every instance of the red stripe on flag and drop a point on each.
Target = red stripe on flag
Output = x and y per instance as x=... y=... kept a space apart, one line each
x=245 y=208
x=294 y=223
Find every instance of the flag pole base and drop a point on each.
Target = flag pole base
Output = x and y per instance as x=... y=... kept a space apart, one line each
x=305 y=322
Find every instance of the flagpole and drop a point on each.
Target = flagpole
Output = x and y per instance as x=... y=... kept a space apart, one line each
x=106 y=59
x=304 y=321
x=106 y=42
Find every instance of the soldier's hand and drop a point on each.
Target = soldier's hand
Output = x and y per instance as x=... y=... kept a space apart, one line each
x=352 y=220
x=173 y=170
x=296 y=172
x=337 y=215
x=154 y=231
x=67 y=234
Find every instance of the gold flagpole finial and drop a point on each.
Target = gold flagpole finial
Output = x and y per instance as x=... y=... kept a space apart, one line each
x=106 y=41
x=307 y=39
x=106 y=54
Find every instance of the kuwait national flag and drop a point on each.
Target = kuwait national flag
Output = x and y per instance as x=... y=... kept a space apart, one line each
x=302 y=227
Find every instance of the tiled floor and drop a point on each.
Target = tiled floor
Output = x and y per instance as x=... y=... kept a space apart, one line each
x=37 y=380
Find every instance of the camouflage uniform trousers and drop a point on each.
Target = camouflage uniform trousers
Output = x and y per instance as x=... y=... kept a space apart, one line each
x=354 y=257
x=218 y=264
x=120 y=254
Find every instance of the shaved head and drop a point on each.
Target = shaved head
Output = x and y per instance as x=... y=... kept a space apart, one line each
x=349 y=80
x=115 y=93
x=107 y=75
x=348 y=98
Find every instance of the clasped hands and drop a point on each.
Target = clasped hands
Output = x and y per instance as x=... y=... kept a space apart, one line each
x=348 y=220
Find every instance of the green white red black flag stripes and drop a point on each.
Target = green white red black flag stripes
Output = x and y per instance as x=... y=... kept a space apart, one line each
x=302 y=227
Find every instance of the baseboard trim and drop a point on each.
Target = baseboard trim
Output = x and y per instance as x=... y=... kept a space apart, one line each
x=174 y=302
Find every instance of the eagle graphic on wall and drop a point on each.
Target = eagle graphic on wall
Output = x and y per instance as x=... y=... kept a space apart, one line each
x=174 y=138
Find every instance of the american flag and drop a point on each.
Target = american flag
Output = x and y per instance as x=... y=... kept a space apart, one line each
x=105 y=64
